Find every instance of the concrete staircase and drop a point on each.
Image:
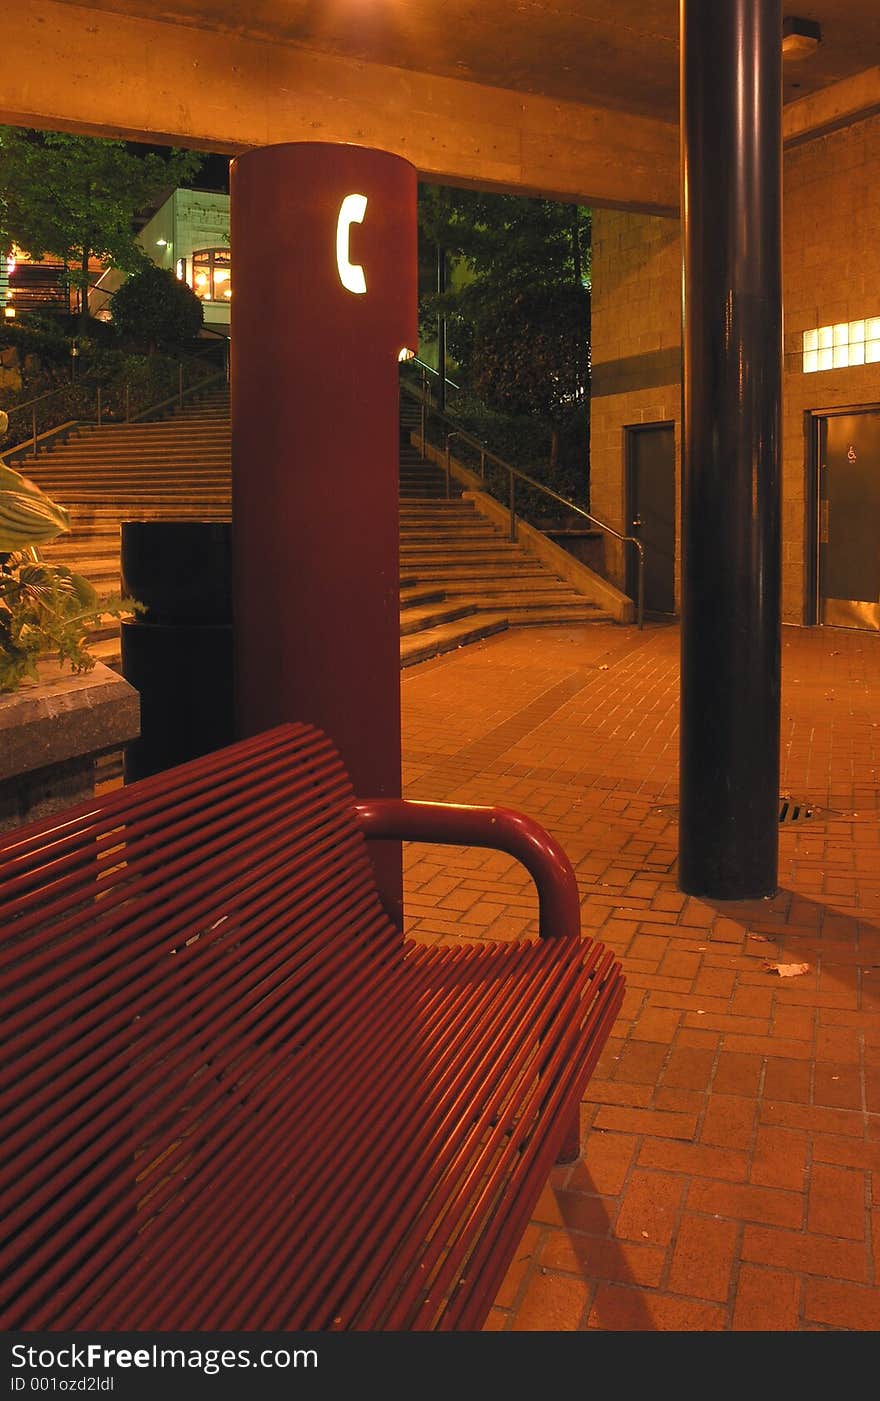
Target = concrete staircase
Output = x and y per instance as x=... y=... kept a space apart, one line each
x=175 y=468
x=460 y=578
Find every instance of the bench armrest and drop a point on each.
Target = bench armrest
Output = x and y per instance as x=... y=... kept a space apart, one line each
x=502 y=829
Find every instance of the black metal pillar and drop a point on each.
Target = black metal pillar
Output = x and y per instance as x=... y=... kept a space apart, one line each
x=730 y=639
x=441 y=331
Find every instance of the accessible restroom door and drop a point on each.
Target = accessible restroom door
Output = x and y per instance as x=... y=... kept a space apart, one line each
x=848 y=494
x=650 y=463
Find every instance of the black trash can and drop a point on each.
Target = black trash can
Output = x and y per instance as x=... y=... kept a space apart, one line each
x=178 y=653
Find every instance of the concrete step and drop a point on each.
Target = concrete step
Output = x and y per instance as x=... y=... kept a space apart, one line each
x=415 y=596
x=525 y=601
x=107 y=517
x=457 y=532
x=452 y=554
x=453 y=509
x=448 y=636
x=414 y=620
x=128 y=497
x=122 y=436
x=107 y=454
x=443 y=516
x=582 y=612
x=164 y=468
x=212 y=426
x=109 y=488
x=449 y=576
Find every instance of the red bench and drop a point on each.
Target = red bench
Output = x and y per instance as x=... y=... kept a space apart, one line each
x=234 y=1098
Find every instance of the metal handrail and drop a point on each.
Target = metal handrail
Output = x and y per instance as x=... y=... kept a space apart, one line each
x=423 y=365
x=514 y=475
x=32 y=405
x=178 y=398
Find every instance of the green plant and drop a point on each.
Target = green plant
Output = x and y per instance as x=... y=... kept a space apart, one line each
x=45 y=609
x=155 y=308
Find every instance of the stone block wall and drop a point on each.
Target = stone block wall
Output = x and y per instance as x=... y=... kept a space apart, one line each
x=831 y=273
x=636 y=351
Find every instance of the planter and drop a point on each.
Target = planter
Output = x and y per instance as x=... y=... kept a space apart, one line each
x=51 y=734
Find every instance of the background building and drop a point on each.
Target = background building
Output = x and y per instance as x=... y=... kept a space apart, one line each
x=188 y=233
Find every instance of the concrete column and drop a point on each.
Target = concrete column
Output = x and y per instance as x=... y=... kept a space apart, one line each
x=730 y=650
x=323 y=241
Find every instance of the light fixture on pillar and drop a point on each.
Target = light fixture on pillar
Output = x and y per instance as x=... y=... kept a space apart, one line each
x=800 y=37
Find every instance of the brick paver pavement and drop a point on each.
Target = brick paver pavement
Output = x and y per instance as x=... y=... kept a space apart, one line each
x=730 y=1174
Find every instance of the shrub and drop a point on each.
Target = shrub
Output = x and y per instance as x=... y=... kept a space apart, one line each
x=154 y=308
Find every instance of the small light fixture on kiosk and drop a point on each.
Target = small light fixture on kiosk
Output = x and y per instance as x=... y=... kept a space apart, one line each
x=800 y=37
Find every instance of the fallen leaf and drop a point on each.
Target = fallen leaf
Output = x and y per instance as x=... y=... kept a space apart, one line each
x=787 y=970
x=762 y=939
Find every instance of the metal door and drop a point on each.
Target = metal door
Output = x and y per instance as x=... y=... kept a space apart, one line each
x=651 y=496
x=849 y=520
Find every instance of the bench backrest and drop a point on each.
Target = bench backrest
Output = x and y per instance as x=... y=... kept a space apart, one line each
x=157 y=946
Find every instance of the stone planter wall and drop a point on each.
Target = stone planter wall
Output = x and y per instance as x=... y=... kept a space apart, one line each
x=51 y=735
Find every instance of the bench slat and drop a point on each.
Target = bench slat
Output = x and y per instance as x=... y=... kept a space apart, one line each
x=234 y=1097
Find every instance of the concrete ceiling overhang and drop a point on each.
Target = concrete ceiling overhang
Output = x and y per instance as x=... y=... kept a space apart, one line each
x=573 y=98
x=622 y=54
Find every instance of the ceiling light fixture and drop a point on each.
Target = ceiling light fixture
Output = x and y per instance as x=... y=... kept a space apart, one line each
x=800 y=37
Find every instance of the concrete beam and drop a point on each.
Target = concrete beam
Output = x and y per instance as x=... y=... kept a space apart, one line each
x=84 y=70
x=850 y=100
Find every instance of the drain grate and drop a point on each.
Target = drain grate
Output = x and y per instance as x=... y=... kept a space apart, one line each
x=789 y=811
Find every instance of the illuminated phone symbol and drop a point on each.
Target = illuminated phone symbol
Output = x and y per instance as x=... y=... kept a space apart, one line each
x=351 y=211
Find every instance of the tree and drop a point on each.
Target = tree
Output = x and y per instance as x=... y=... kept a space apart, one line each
x=540 y=364
x=518 y=322
x=76 y=198
x=156 y=307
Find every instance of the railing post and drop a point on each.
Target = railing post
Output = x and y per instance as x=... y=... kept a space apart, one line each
x=34 y=427
x=98 y=407
x=180 y=384
x=448 y=488
x=640 y=588
x=128 y=403
x=423 y=416
x=483 y=463
x=512 y=505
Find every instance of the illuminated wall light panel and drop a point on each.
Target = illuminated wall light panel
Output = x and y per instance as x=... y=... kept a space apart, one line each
x=841 y=345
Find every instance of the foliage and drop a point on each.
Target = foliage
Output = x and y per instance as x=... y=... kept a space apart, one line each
x=507 y=238
x=157 y=308
x=517 y=321
x=130 y=382
x=44 y=608
x=27 y=516
x=76 y=198
x=37 y=335
x=541 y=365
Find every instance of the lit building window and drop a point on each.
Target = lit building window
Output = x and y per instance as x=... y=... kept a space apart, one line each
x=846 y=343
x=211 y=276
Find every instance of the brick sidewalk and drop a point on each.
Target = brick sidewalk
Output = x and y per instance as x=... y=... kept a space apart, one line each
x=730 y=1178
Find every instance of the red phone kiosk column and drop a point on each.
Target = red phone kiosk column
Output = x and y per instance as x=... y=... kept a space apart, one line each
x=324 y=253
